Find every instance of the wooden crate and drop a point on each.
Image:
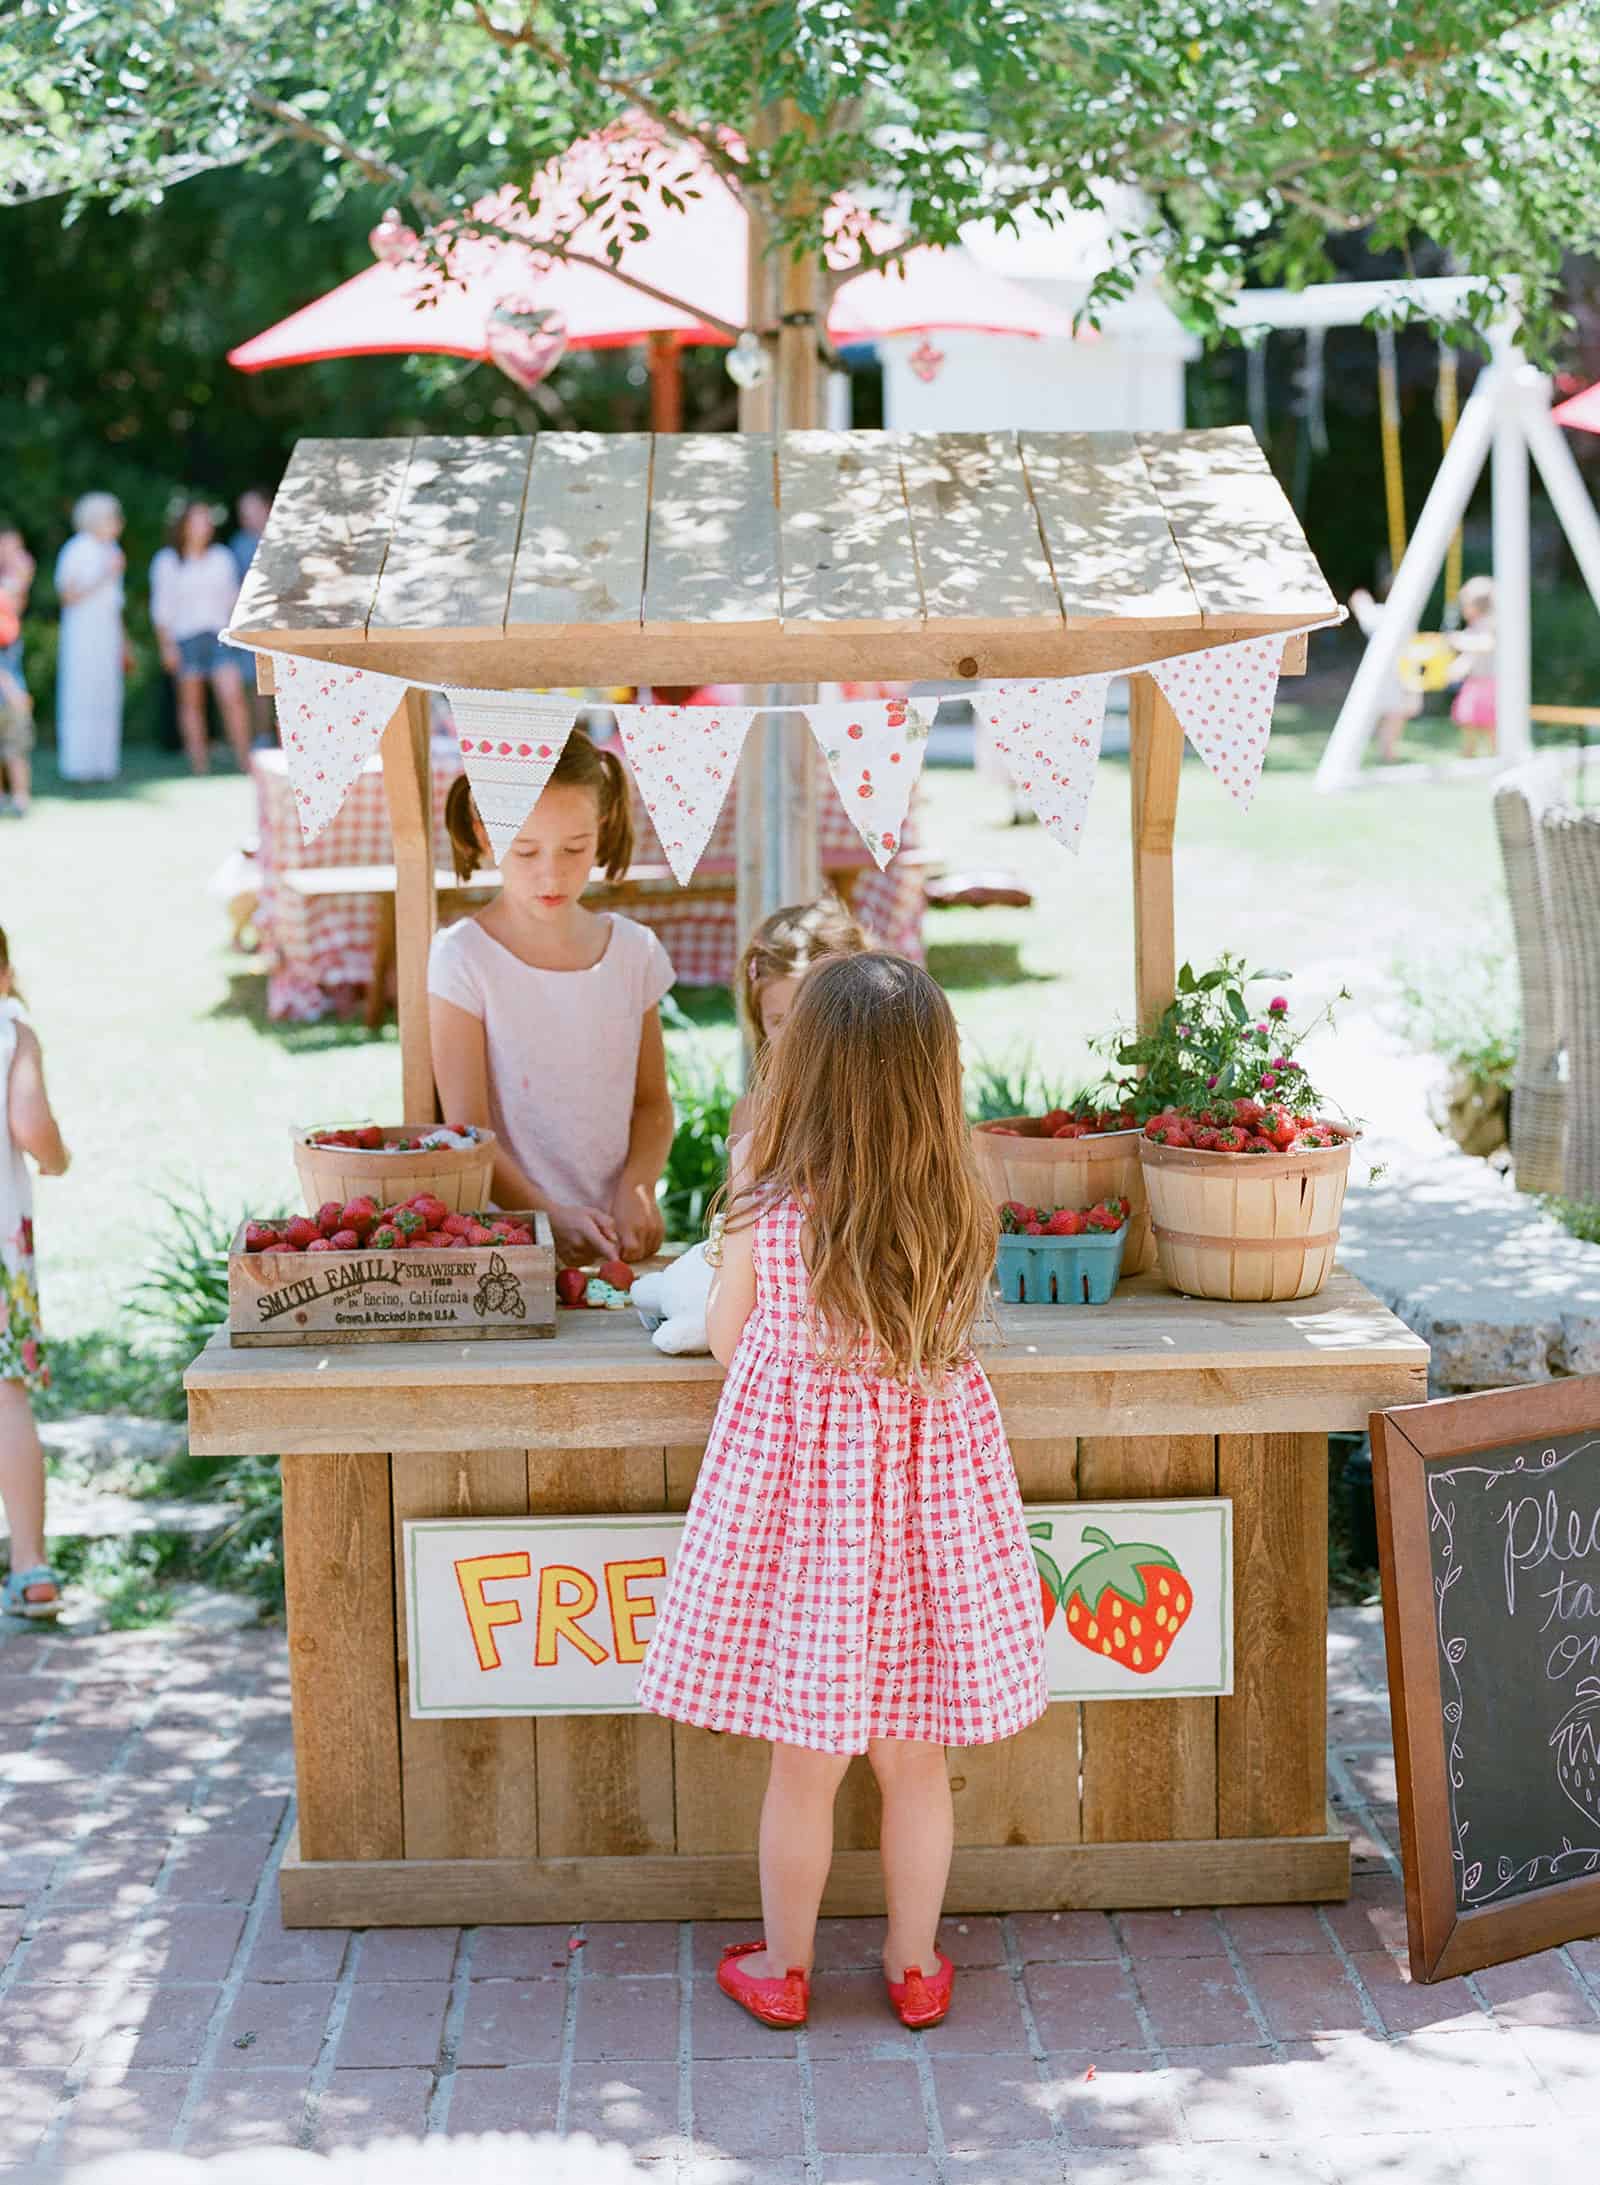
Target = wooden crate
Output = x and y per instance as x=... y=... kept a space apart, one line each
x=488 y=1290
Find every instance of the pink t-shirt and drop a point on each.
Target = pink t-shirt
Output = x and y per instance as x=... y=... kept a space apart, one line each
x=563 y=1050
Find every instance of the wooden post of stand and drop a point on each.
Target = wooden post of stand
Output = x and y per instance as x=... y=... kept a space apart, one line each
x=666 y=383
x=408 y=784
x=1155 y=749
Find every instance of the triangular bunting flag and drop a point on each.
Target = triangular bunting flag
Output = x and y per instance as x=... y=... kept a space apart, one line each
x=1049 y=736
x=874 y=749
x=329 y=723
x=683 y=759
x=1224 y=700
x=510 y=741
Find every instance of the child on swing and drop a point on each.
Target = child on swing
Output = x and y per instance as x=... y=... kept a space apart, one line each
x=855 y=1573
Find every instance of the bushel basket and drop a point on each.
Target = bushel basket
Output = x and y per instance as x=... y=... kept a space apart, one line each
x=1245 y=1226
x=1075 y=1172
x=459 y=1176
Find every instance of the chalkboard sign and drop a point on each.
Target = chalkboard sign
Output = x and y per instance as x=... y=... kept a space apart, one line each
x=1489 y=1537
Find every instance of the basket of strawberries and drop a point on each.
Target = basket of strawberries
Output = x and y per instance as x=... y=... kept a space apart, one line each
x=392 y=1162
x=1071 y=1158
x=1061 y=1255
x=1244 y=1174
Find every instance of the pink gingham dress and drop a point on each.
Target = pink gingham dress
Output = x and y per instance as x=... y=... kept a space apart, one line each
x=854 y=1563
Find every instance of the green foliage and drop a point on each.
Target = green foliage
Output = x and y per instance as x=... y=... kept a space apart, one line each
x=1251 y=135
x=704 y=1095
x=132 y=1578
x=1579 y=1217
x=1213 y=1044
x=184 y=1294
x=1012 y=1084
x=106 y=1372
x=1462 y=1006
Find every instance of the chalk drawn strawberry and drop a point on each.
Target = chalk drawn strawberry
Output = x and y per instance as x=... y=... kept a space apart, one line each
x=1126 y=1599
x=1577 y=1749
x=498 y=1293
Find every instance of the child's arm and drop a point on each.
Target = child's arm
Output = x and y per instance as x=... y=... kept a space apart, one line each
x=637 y=1214
x=733 y=1294
x=28 y=1113
x=461 y=1072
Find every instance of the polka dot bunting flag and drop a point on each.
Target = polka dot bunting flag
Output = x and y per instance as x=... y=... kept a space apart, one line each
x=329 y=723
x=510 y=741
x=874 y=750
x=1048 y=734
x=1224 y=699
x=683 y=758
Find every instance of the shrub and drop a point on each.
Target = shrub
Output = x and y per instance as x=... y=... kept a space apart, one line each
x=704 y=1094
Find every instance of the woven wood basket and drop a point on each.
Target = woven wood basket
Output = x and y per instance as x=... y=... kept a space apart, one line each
x=1075 y=1172
x=457 y=1175
x=1245 y=1226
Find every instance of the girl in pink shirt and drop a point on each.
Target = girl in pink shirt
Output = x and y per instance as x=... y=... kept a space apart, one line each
x=545 y=1019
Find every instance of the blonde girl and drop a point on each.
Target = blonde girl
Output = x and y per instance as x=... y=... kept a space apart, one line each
x=776 y=958
x=27 y=1128
x=545 y=1017
x=854 y=1574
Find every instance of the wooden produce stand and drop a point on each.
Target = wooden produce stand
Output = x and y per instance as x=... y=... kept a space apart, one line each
x=581 y=559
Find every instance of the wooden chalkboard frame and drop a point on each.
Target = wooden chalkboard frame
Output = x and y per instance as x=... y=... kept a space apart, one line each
x=1445 y=1941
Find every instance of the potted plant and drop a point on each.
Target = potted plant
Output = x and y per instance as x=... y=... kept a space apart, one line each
x=1244 y=1171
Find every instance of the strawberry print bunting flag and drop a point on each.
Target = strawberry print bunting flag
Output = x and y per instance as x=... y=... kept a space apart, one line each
x=1224 y=699
x=510 y=741
x=874 y=750
x=683 y=758
x=1048 y=734
x=329 y=723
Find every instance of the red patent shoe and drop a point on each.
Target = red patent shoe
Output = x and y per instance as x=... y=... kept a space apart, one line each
x=919 y=2001
x=781 y=2003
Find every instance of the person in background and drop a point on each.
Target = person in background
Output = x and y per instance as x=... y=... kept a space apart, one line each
x=252 y=509
x=27 y=1127
x=1473 y=710
x=16 y=707
x=91 y=661
x=776 y=958
x=194 y=582
x=1399 y=704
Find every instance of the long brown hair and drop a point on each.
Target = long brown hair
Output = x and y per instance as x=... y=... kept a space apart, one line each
x=8 y=977
x=861 y=1121
x=582 y=765
x=785 y=946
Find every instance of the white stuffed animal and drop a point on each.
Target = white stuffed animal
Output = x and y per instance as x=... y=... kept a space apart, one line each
x=672 y=1304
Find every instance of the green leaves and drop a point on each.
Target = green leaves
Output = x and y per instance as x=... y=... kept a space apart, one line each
x=1114 y=1566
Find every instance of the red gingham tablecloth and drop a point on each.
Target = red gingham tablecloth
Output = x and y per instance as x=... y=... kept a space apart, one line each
x=319 y=947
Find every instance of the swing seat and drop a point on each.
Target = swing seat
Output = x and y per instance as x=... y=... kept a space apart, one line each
x=1426 y=663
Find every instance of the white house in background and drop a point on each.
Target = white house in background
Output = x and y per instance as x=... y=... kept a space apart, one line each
x=1130 y=377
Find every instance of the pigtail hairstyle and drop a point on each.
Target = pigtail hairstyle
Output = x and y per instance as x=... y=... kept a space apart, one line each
x=862 y=1122
x=582 y=765
x=785 y=946
x=465 y=829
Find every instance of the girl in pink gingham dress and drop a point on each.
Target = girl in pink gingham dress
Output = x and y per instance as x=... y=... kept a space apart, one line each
x=855 y=1574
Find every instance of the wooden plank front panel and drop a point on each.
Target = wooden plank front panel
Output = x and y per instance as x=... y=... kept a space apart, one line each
x=584 y=521
x=605 y=1781
x=468 y=1788
x=713 y=547
x=1243 y=550
x=1025 y=1789
x=1109 y=541
x=979 y=550
x=1272 y=1732
x=338 y=1557
x=316 y=568
x=455 y=538
x=1150 y=1766
x=844 y=533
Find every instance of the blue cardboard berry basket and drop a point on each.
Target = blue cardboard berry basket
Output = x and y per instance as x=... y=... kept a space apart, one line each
x=1061 y=1270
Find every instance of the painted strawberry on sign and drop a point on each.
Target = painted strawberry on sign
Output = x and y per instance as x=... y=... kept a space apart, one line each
x=1126 y=1600
x=874 y=750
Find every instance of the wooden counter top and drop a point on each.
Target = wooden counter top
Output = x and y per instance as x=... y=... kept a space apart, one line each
x=1149 y=1362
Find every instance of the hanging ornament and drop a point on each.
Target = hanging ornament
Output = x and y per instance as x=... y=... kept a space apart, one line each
x=926 y=361
x=391 y=239
x=748 y=362
x=527 y=343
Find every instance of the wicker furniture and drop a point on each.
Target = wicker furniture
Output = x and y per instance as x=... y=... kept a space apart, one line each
x=1571 y=849
x=1539 y=1091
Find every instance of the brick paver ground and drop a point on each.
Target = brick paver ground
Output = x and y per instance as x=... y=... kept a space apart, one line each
x=149 y=1998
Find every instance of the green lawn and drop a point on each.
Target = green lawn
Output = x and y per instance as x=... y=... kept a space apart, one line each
x=168 y=1078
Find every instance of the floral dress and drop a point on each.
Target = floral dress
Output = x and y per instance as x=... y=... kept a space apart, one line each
x=21 y=1348
x=855 y=1563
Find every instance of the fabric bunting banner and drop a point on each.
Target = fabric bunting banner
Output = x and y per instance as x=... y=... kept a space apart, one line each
x=329 y=723
x=1048 y=734
x=510 y=741
x=1224 y=700
x=683 y=758
x=874 y=751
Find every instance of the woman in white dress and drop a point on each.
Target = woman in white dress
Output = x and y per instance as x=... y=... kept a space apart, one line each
x=194 y=581
x=89 y=666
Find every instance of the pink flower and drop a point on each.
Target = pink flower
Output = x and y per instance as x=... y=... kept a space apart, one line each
x=30 y=1356
x=1268 y=1080
x=1263 y=1028
x=1277 y=1007
x=1211 y=1084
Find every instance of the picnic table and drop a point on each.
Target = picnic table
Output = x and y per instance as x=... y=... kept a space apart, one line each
x=326 y=912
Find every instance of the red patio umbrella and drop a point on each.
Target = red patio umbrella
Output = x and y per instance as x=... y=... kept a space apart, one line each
x=1580 y=410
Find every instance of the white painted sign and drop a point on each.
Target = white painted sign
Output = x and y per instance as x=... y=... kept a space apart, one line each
x=552 y=1615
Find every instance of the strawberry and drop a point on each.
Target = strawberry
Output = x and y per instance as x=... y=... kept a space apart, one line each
x=440 y=1240
x=329 y=1217
x=617 y=1272
x=520 y=1233
x=384 y=1238
x=261 y=1236
x=432 y=1210
x=345 y=1240
x=370 y=1139
x=1064 y=1222
x=409 y=1223
x=358 y=1214
x=571 y=1283
x=1049 y=1575
x=477 y=1234
x=300 y=1233
x=1050 y=1126
x=1033 y=1229
x=1232 y=1140
x=1073 y=1130
x=320 y=1244
x=1127 y=1599
x=457 y=1225
x=1105 y=1218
